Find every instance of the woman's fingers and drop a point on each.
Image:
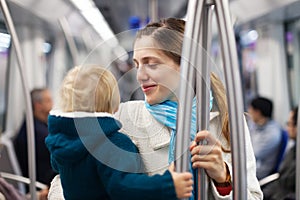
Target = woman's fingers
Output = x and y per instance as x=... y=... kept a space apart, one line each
x=202 y=137
x=202 y=151
x=205 y=143
x=208 y=155
x=205 y=137
x=193 y=144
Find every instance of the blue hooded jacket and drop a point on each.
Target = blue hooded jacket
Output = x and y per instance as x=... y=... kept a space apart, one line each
x=95 y=161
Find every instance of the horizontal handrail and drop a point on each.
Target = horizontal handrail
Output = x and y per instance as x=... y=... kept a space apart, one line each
x=22 y=179
x=268 y=179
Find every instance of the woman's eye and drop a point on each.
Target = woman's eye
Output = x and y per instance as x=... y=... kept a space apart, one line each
x=151 y=65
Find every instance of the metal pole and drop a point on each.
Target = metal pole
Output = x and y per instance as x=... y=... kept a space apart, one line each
x=203 y=90
x=191 y=58
x=71 y=43
x=298 y=157
x=201 y=80
x=153 y=10
x=28 y=106
x=235 y=100
x=186 y=95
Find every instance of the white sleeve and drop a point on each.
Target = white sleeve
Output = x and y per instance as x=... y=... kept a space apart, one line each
x=253 y=189
x=55 y=190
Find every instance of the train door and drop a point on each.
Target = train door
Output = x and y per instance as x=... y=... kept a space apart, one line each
x=4 y=55
x=292 y=38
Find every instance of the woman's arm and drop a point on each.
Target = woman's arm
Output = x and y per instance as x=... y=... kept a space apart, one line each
x=212 y=159
x=55 y=190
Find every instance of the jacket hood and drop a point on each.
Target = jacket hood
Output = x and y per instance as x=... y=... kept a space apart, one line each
x=72 y=135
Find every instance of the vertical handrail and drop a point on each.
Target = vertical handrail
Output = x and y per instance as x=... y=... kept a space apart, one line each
x=298 y=157
x=28 y=106
x=203 y=90
x=70 y=41
x=235 y=101
x=153 y=10
x=186 y=95
x=233 y=86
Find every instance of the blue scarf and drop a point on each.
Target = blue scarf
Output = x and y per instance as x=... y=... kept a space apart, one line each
x=166 y=114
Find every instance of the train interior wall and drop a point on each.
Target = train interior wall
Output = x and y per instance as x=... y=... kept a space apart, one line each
x=270 y=66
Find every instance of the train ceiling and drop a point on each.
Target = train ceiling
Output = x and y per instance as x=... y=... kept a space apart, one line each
x=119 y=12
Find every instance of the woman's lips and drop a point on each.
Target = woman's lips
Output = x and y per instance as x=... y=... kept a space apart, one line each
x=148 y=88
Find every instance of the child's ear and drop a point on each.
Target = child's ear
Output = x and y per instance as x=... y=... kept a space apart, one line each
x=115 y=101
x=114 y=110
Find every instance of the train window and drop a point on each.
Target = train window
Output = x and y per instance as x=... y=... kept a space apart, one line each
x=47 y=47
x=246 y=41
x=4 y=54
x=292 y=35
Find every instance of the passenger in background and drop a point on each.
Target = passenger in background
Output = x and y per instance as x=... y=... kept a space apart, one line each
x=284 y=187
x=41 y=105
x=95 y=161
x=265 y=136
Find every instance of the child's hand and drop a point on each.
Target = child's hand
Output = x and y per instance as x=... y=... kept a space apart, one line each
x=43 y=194
x=183 y=183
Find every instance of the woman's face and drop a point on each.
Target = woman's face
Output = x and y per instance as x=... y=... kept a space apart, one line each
x=157 y=73
x=291 y=128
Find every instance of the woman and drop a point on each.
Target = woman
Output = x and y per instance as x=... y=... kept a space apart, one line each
x=157 y=51
x=151 y=124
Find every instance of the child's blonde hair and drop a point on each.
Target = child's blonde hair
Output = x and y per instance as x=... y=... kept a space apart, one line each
x=89 y=89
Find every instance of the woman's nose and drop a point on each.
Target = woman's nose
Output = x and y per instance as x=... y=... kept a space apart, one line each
x=141 y=74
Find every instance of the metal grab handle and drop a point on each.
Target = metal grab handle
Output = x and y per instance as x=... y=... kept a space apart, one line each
x=28 y=106
x=22 y=179
x=203 y=90
x=153 y=12
x=191 y=63
x=186 y=95
x=234 y=98
x=70 y=40
x=233 y=86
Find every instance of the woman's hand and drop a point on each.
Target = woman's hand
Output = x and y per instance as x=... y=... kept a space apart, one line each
x=43 y=194
x=209 y=156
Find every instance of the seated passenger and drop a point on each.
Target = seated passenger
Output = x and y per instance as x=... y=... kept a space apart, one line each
x=95 y=160
x=265 y=136
x=285 y=186
x=41 y=105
